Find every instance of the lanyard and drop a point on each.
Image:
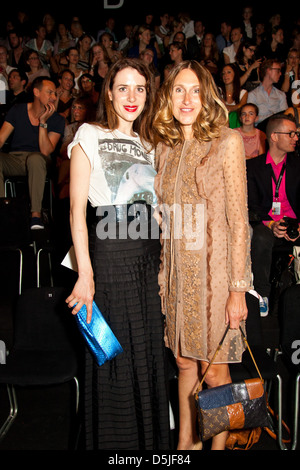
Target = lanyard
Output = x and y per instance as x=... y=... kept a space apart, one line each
x=278 y=182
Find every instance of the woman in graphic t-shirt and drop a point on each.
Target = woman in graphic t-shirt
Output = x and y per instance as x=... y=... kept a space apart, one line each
x=112 y=166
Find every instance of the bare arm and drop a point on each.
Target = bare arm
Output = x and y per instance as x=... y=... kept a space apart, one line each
x=5 y=132
x=47 y=140
x=84 y=289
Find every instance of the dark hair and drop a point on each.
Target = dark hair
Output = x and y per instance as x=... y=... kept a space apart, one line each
x=87 y=102
x=248 y=104
x=180 y=46
x=240 y=52
x=236 y=83
x=275 y=121
x=107 y=116
x=21 y=73
x=66 y=71
x=85 y=75
x=38 y=82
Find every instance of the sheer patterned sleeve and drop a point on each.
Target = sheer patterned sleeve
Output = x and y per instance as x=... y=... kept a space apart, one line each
x=234 y=168
x=160 y=159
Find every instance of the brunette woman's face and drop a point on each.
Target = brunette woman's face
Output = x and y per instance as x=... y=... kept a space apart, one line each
x=175 y=53
x=128 y=95
x=227 y=75
x=186 y=100
x=106 y=41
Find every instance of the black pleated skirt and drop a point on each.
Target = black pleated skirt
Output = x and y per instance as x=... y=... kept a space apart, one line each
x=126 y=399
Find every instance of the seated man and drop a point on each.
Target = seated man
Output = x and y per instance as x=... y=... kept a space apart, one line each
x=273 y=193
x=269 y=99
x=17 y=81
x=36 y=129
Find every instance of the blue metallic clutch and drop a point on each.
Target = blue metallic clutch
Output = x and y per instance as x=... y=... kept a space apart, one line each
x=98 y=335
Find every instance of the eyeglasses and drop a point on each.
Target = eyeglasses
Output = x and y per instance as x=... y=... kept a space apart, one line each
x=292 y=134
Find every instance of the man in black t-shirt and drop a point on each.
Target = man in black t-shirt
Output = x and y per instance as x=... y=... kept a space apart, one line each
x=36 y=129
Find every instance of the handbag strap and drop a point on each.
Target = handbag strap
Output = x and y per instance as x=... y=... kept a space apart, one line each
x=218 y=349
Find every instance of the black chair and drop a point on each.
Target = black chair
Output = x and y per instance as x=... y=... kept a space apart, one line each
x=14 y=229
x=266 y=364
x=11 y=183
x=44 y=351
x=289 y=311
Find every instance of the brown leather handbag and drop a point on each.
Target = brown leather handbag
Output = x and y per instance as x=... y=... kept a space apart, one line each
x=233 y=406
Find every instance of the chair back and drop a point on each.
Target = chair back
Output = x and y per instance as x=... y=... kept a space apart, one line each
x=14 y=216
x=289 y=321
x=253 y=323
x=42 y=320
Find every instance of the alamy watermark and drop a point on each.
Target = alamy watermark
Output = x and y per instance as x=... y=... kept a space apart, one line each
x=186 y=221
x=296 y=93
x=296 y=354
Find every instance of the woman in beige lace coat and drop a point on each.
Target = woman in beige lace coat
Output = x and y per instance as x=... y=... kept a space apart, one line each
x=205 y=270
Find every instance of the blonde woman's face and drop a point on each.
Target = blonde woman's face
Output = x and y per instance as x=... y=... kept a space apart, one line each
x=186 y=100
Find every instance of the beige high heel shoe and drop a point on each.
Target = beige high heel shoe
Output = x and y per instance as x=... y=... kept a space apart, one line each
x=198 y=446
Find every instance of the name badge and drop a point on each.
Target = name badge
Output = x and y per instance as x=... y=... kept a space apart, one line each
x=276 y=208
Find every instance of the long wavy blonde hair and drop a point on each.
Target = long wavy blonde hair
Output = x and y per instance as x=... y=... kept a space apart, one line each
x=212 y=117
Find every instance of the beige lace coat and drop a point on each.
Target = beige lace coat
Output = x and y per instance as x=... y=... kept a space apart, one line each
x=201 y=189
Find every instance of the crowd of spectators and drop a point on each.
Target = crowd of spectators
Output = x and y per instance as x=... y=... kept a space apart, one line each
x=253 y=60
x=53 y=46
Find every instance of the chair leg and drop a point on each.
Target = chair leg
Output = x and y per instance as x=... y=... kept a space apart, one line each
x=77 y=395
x=12 y=413
x=38 y=266
x=296 y=411
x=20 y=271
x=279 y=404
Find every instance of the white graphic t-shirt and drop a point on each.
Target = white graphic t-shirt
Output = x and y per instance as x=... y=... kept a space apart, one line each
x=121 y=170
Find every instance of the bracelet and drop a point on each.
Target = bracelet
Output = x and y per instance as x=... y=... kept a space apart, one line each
x=271 y=223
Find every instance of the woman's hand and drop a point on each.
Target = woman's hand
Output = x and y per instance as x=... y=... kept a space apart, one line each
x=236 y=309
x=82 y=294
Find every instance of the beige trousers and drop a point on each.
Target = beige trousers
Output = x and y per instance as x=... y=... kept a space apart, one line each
x=32 y=164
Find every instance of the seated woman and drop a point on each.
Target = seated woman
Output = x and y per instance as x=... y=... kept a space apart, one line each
x=64 y=94
x=248 y=65
x=177 y=55
x=209 y=55
x=83 y=110
x=84 y=46
x=147 y=56
x=35 y=68
x=100 y=65
x=73 y=65
x=64 y=41
x=87 y=88
x=41 y=45
x=107 y=40
x=143 y=41
x=231 y=93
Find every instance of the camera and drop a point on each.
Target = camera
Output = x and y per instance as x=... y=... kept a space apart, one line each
x=291 y=227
